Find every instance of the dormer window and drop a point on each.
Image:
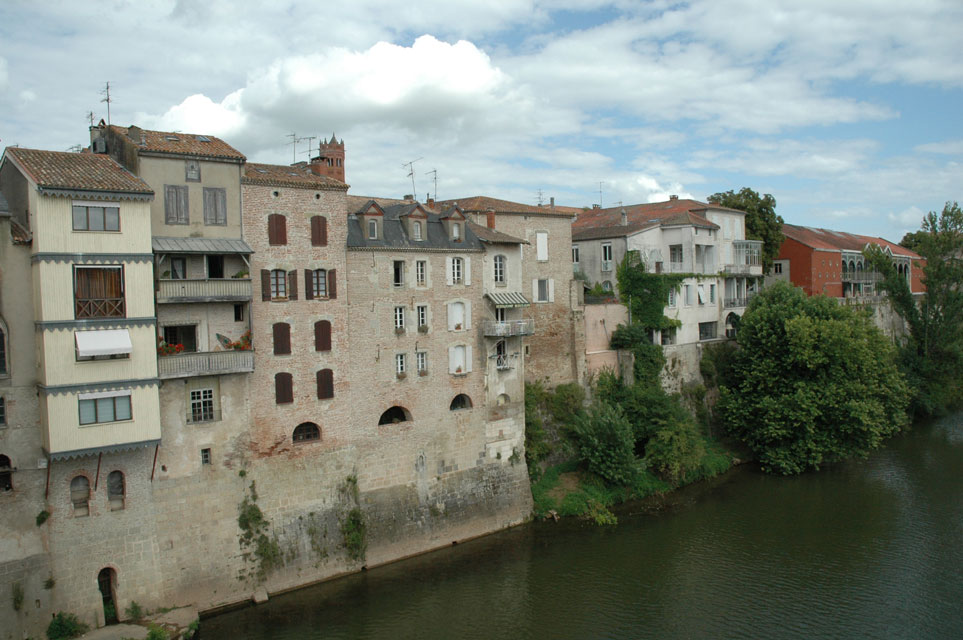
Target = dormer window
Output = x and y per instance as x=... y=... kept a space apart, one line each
x=455 y=231
x=416 y=230
x=372 y=229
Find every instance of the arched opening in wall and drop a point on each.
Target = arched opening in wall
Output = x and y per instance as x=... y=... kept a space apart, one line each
x=461 y=401
x=107 y=582
x=732 y=325
x=116 y=490
x=502 y=399
x=394 y=415
x=80 y=496
x=6 y=474
x=607 y=285
x=306 y=432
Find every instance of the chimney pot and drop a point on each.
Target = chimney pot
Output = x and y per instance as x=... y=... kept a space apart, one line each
x=673 y=197
x=490 y=218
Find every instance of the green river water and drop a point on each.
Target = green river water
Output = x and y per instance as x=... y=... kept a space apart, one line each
x=866 y=549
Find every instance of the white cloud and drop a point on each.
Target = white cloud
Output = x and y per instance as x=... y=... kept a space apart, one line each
x=27 y=95
x=910 y=217
x=949 y=147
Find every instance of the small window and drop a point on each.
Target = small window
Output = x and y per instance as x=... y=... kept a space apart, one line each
x=178 y=269
x=279 y=284
x=607 y=285
x=181 y=338
x=306 y=432
x=202 y=405
x=607 y=256
x=675 y=254
x=707 y=330
x=116 y=491
x=421 y=359
x=394 y=415
x=777 y=268
x=80 y=496
x=543 y=291
x=499 y=275
x=6 y=474
x=215 y=206
x=176 y=208
x=322 y=335
x=192 y=171
x=422 y=318
x=575 y=254
x=283 y=388
x=461 y=401
x=3 y=350
x=3 y=411
x=399 y=319
x=319 y=284
x=239 y=313
x=401 y=363
x=541 y=246
x=205 y=456
x=325 y=384
x=502 y=362
x=277 y=230
x=96 y=218
x=100 y=409
x=372 y=229
x=712 y=293
x=421 y=272
x=503 y=399
x=457 y=270
x=416 y=230
x=457 y=317
x=456 y=232
x=668 y=336
x=671 y=301
x=398 y=273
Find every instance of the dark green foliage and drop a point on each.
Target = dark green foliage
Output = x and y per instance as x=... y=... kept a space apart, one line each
x=649 y=359
x=606 y=443
x=254 y=536
x=645 y=294
x=675 y=450
x=65 y=625
x=354 y=532
x=134 y=611
x=42 y=517
x=716 y=363
x=813 y=382
x=762 y=221
x=156 y=633
x=566 y=402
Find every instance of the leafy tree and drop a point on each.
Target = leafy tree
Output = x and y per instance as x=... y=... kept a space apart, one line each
x=762 y=221
x=606 y=443
x=933 y=356
x=813 y=382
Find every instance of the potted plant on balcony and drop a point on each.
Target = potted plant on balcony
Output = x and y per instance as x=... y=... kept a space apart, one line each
x=457 y=326
x=401 y=375
x=422 y=372
x=422 y=328
x=243 y=273
x=166 y=349
x=399 y=331
x=244 y=344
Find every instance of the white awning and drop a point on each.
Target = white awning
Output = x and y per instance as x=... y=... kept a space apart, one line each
x=107 y=342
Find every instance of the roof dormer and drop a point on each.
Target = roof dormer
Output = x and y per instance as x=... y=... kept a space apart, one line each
x=415 y=222
x=454 y=222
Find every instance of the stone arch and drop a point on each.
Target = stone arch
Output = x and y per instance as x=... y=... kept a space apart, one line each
x=461 y=401
x=116 y=490
x=107 y=583
x=394 y=414
x=502 y=399
x=306 y=432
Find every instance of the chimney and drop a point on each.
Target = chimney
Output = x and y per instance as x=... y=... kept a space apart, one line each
x=551 y=202
x=596 y=206
x=431 y=203
x=490 y=218
x=409 y=197
x=625 y=218
x=673 y=197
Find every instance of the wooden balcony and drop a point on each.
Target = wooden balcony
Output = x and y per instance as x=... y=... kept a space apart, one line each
x=205 y=363
x=204 y=290
x=512 y=328
x=99 y=308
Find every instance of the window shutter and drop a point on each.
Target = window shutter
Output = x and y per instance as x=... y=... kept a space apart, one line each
x=448 y=260
x=184 y=214
x=265 y=284
x=468 y=358
x=293 y=285
x=535 y=289
x=451 y=359
x=170 y=204
x=283 y=388
x=319 y=231
x=282 y=338
x=332 y=284
x=467 y=275
x=272 y=229
x=468 y=315
x=325 y=384
x=209 y=206
x=551 y=290
x=277 y=229
x=308 y=285
x=322 y=335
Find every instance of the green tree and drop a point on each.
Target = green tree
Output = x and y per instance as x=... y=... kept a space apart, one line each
x=812 y=382
x=762 y=221
x=933 y=356
x=606 y=443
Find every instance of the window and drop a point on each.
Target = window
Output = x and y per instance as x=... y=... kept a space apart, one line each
x=401 y=363
x=456 y=232
x=499 y=263
x=421 y=273
x=372 y=229
x=80 y=495
x=501 y=355
x=176 y=209
x=283 y=388
x=115 y=490
x=399 y=319
x=322 y=335
x=457 y=270
x=215 y=206
x=306 y=432
x=178 y=268
x=205 y=456
x=457 y=316
x=3 y=351
x=3 y=411
x=668 y=336
x=689 y=296
x=607 y=256
x=394 y=415
x=398 y=273
x=325 y=380
x=421 y=360
x=319 y=231
x=282 y=338
x=279 y=285
x=543 y=290
x=96 y=217
x=707 y=330
x=712 y=294
x=701 y=293
x=238 y=313
x=461 y=401
x=6 y=474
x=277 y=230
x=675 y=253
x=575 y=254
x=416 y=230
x=777 y=268
x=501 y=314
x=318 y=287
x=422 y=317
x=192 y=171
x=99 y=292
x=105 y=406
x=202 y=405
x=672 y=300
x=184 y=335
x=459 y=359
x=541 y=246
x=607 y=285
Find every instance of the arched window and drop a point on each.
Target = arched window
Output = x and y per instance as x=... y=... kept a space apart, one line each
x=277 y=229
x=461 y=401
x=116 y=491
x=416 y=230
x=6 y=474
x=502 y=399
x=500 y=272
x=306 y=432
x=501 y=355
x=732 y=325
x=455 y=231
x=607 y=285
x=394 y=415
x=80 y=495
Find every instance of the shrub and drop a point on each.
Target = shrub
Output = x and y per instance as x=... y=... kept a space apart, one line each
x=134 y=611
x=675 y=450
x=65 y=625
x=606 y=443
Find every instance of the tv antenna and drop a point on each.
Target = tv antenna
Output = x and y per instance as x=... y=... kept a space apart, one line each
x=310 y=139
x=434 y=173
x=539 y=197
x=600 y=193
x=90 y=116
x=411 y=173
x=107 y=99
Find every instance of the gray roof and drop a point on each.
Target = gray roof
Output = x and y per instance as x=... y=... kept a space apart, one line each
x=507 y=299
x=393 y=235
x=200 y=245
x=490 y=236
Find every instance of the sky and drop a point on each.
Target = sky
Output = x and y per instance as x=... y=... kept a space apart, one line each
x=850 y=113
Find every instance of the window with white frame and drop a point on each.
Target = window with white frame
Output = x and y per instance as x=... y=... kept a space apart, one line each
x=455 y=231
x=401 y=362
x=541 y=246
x=416 y=230
x=422 y=316
x=543 y=290
x=672 y=300
x=372 y=229
x=606 y=256
x=499 y=264
x=459 y=359
x=104 y=406
x=279 y=284
x=421 y=272
x=319 y=283
x=421 y=359
x=575 y=254
x=689 y=295
x=202 y=405
x=96 y=217
x=399 y=318
x=457 y=270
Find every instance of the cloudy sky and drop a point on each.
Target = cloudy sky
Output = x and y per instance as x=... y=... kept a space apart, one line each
x=849 y=112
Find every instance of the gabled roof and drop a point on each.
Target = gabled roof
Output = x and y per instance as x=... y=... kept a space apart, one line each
x=297 y=176
x=176 y=143
x=62 y=170
x=827 y=239
x=490 y=236
x=481 y=204
x=607 y=223
x=392 y=233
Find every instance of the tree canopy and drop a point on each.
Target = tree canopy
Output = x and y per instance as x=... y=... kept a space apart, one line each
x=812 y=382
x=762 y=221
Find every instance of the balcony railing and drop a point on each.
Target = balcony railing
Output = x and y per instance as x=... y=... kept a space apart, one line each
x=186 y=365
x=865 y=277
x=508 y=329
x=99 y=308
x=204 y=290
x=729 y=303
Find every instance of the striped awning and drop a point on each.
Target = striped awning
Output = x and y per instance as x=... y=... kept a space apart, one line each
x=508 y=299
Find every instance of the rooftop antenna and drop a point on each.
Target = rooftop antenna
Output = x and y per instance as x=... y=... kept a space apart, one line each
x=539 y=197
x=294 y=144
x=75 y=148
x=106 y=98
x=411 y=172
x=433 y=172
x=310 y=139
x=90 y=116
x=600 y=193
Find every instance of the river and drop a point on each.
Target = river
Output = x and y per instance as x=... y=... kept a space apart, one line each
x=864 y=549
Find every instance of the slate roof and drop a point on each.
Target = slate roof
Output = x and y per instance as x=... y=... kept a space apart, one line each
x=491 y=236
x=393 y=235
x=607 y=223
x=484 y=203
x=200 y=245
x=175 y=143
x=76 y=171
x=297 y=176
x=841 y=240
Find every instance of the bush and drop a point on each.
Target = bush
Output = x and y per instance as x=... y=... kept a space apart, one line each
x=157 y=633
x=134 y=611
x=65 y=625
x=675 y=450
x=606 y=443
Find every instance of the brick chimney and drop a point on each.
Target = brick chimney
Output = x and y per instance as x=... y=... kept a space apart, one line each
x=490 y=218
x=673 y=197
x=330 y=159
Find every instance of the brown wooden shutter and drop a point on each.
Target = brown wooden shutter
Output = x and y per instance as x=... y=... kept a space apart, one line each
x=293 y=285
x=319 y=231
x=170 y=204
x=323 y=225
x=332 y=284
x=308 y=285
x=265 y=284
x=325 y=384
x=322 y=335
x=283 y=388
x=282 y=338
x=277 y=229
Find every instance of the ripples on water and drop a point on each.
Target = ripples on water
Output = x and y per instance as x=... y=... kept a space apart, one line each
x=869 y=549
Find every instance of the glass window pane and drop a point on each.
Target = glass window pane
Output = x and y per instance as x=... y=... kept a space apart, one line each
x=105 y=410
x=122 y=404
x=80 y=218
x=112 y=219
x=96 y=217
x=88 y=412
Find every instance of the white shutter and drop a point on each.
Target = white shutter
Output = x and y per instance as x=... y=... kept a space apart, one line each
x=468 y=358
x=448 y=260
x=451 y=360
x=468 y=315
x=541 y=245
x=451 y=316
x=535 y=289
x=467 y=271
x=551 y=290
x=701 y=292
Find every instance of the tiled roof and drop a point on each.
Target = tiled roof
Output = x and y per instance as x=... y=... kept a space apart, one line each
x=298 y=176
x=607 y=223
x=179 y=143
x=76 y=171
x=491 y=236
x=841 y=240
x=481 y=204
x=393 y=235
x=356 y=204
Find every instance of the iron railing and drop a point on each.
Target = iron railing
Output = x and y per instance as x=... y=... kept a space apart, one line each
x=508 y=329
